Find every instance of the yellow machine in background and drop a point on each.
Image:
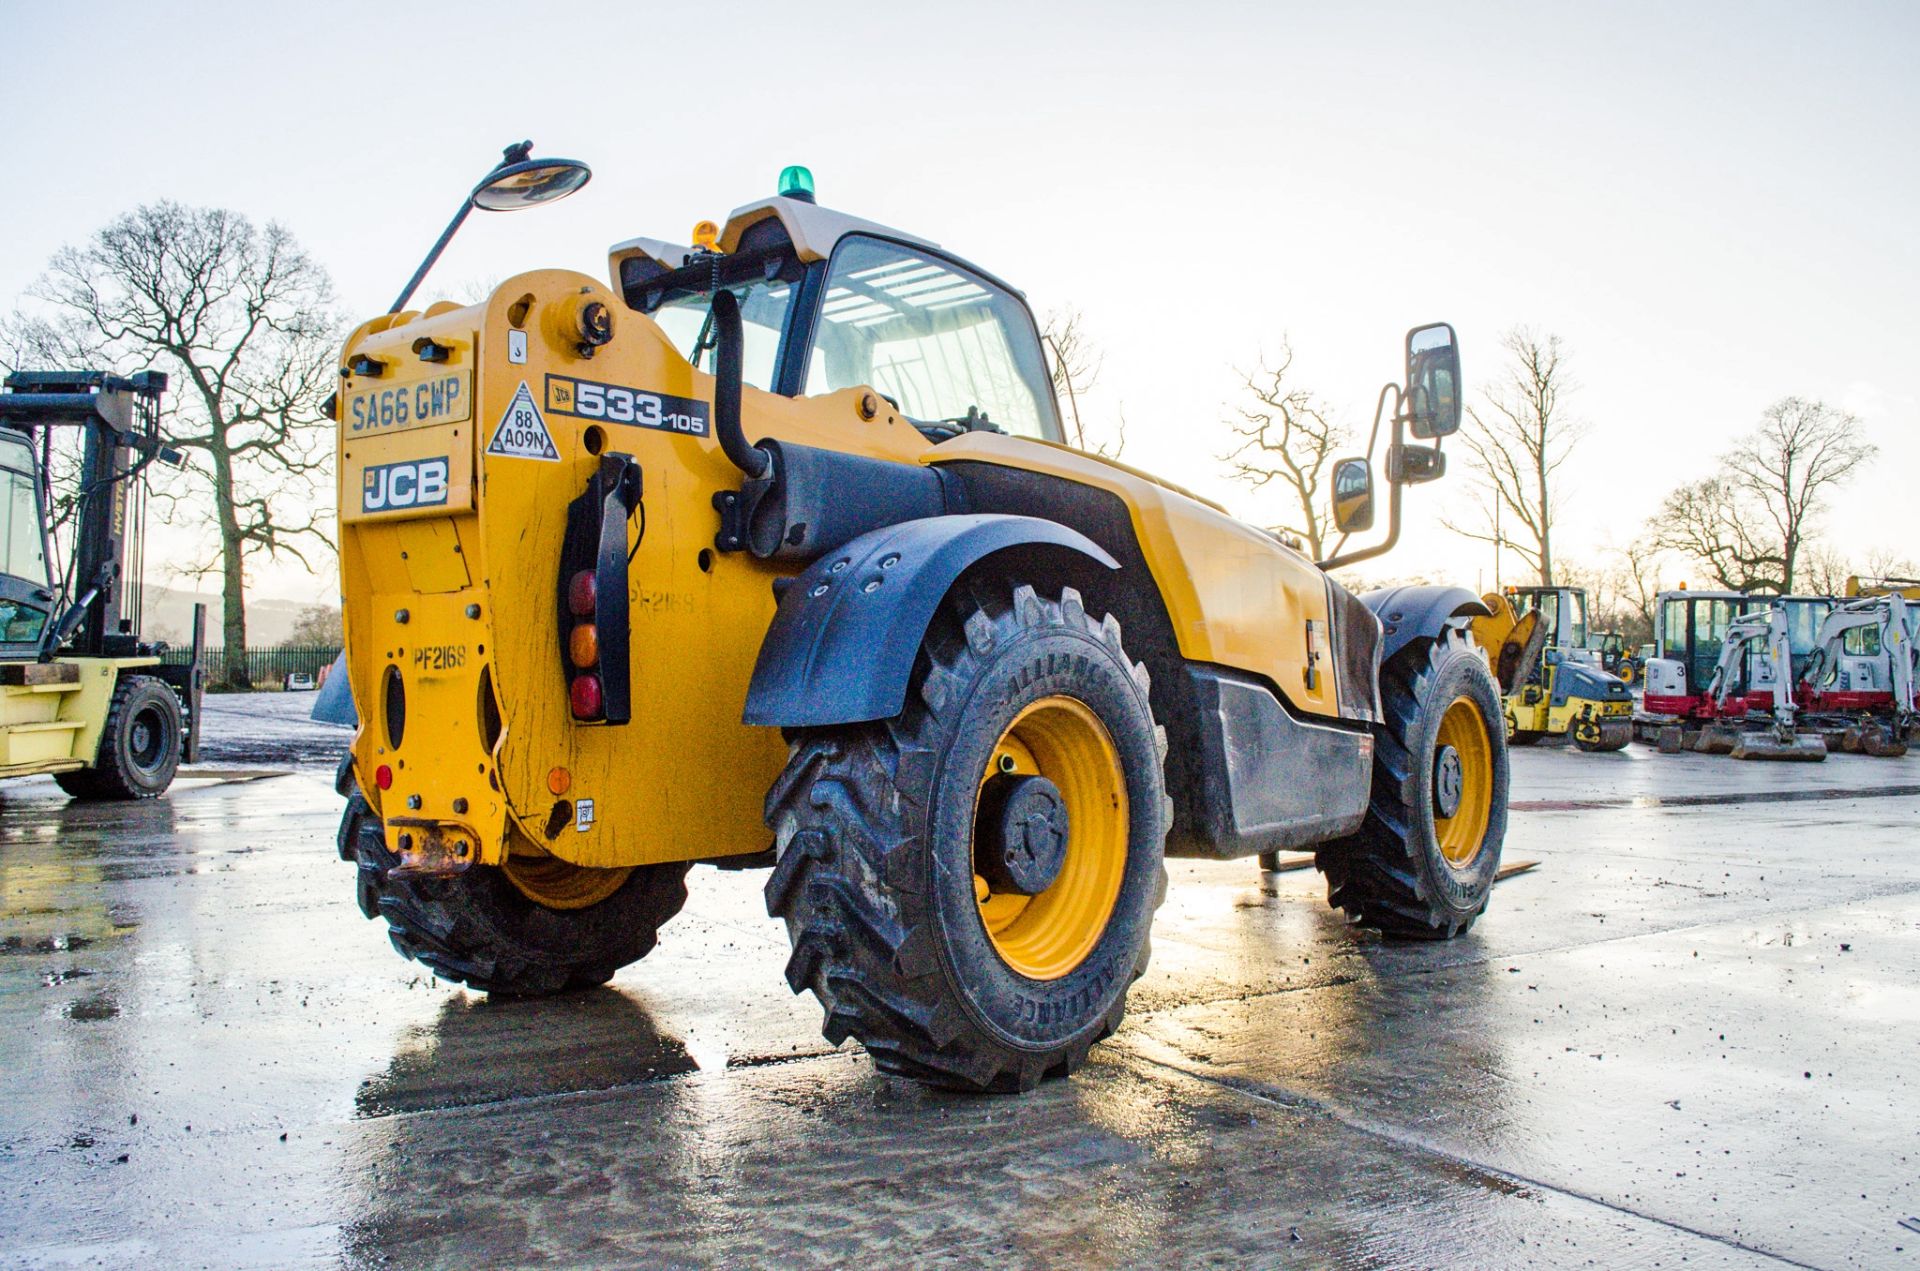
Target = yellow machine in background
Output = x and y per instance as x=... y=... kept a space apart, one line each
x=768 y=551
x=1560 y=689
x=82 y=697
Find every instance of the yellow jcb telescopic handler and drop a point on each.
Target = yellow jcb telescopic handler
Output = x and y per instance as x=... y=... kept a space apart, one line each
x=769 y=551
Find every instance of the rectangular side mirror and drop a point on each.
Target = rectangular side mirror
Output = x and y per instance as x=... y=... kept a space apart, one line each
x=1433 y=381
x=1352 y=496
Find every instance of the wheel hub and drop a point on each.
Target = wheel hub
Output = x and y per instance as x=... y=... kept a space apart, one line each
x=1448 y=780
x=1023 y=834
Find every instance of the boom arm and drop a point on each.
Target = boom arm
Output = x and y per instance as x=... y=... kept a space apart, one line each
x=1769 y=625
x=1886 y=614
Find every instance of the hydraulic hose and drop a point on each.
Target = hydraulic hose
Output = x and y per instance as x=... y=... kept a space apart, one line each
x=727 y=373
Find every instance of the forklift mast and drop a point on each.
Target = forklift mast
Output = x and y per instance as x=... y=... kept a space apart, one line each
x=120 y=418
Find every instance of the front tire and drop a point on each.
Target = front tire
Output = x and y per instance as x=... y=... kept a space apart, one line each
x=139 y=745
x=482 y=929
x=968 y=886
x=1422 y=864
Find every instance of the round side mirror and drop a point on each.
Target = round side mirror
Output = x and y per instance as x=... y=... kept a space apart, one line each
x=529 y=182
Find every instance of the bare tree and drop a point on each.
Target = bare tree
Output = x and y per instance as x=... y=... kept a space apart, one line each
x=1519 y=441
x=1823 y=571
x=1749 y=526
x=1711 y=524
x=1786 y=466
x=1076 y=362
x=1638 y=569
x=1885 y=563
x=1620 y=591
x=316 y=627
x=241 y=320
x=1286 y=435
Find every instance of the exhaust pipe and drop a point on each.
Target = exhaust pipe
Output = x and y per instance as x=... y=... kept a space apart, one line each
x=728 y=356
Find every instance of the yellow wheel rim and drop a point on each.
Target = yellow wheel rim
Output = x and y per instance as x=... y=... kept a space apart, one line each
x=547 y=880
x=1046 y=936
x=1462 y=834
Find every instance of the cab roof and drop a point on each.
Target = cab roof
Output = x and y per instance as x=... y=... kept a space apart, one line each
x=813 y=230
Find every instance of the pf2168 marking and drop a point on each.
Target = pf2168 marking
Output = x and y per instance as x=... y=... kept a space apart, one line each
x=585 y=399
x=440 y=657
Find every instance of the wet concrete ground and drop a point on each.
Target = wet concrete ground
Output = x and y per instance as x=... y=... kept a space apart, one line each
x=1691 y=1037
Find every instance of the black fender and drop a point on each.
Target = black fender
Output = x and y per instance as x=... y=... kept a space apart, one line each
x=1408 y=613
x=843 y=641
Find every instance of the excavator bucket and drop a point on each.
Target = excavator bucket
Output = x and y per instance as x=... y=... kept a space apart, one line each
x=1882 y=742
x=1801 y=747
x=1513 y=643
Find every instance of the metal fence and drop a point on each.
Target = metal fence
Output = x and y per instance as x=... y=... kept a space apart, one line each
x=265 y=668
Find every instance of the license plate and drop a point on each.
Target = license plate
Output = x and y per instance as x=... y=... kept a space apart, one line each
x=444 y=398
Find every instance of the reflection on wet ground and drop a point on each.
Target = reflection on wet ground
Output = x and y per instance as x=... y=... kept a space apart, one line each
x=1688 y=1037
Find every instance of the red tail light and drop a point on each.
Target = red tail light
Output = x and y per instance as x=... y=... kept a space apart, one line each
x=581 y=594
x=584 y=696
x=383 y=777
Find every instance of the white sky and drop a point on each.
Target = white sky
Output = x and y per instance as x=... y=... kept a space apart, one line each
x=1713 y=204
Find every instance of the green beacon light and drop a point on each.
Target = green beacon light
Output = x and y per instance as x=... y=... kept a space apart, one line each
x=796 y=183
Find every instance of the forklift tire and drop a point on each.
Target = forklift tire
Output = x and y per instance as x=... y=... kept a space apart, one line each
x=480 y=930
x=1422 y=864
x=968 y=886
x=139 y=745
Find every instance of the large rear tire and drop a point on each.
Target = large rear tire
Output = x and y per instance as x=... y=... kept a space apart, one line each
x=139 y=746
x=969 y=886
x=481 y=929
x=1422 y=864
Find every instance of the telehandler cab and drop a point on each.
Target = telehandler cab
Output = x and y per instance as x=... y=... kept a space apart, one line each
x=778 y=532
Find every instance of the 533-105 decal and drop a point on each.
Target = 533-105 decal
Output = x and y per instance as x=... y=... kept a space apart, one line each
x=586 y=399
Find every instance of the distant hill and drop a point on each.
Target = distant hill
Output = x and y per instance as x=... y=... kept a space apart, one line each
x=169 y=616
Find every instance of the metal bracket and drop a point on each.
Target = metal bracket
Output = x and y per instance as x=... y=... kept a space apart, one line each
x=432 y=849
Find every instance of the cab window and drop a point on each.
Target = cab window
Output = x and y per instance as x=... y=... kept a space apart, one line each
x=23 y=552
x=947 y=346
x=763 y=317
x=1861 y=642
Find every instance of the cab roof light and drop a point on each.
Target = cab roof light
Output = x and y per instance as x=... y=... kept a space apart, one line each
x=796 y=183
x=706 y=236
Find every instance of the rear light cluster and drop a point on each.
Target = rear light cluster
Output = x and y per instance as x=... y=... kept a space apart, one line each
x=585 y=693
x=595 y=561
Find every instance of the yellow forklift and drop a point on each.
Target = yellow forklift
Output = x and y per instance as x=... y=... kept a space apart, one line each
x=82 y=696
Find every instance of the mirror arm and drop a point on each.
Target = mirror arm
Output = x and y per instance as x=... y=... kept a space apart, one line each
x=420 y=274
x=1393 y=487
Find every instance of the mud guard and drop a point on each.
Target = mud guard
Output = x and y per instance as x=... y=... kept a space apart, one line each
x=843 y=641
x=1408 y=613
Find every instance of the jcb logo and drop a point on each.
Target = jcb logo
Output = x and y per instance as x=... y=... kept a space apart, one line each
x=417 y=483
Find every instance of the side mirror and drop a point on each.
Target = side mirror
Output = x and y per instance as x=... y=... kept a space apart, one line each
x=1352 y=496
x=1433 y=381
x=528 y=183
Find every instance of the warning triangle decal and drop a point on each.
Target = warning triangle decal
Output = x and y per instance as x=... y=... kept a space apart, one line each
x=521 y=433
